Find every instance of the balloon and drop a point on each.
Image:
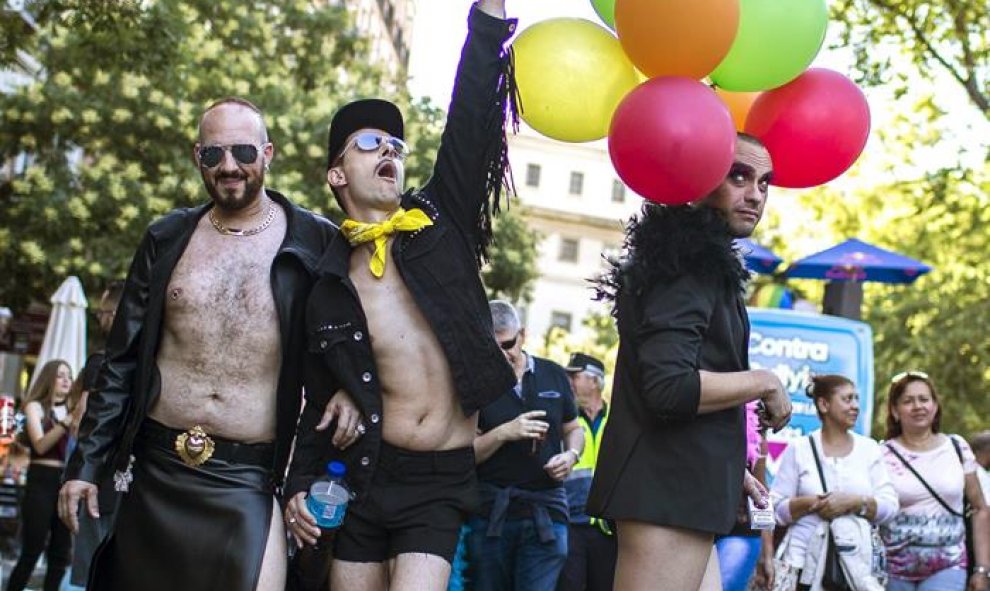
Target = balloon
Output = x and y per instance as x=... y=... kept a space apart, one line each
x=777 y=40
x=676 y=37
x=739 y=104
x=606 y=11
x=571 y=74
x=815 y=127
x=672 y=140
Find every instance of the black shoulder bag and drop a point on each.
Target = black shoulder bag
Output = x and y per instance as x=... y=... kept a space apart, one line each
x=967 y=508
x=833 y=577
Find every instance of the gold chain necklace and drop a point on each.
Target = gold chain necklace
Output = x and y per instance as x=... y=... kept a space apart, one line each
x=232 y=232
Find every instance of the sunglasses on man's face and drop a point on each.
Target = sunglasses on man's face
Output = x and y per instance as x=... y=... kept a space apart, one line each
x=909 y=374
x=509 y=344
x=210 y=156
x=369 y=142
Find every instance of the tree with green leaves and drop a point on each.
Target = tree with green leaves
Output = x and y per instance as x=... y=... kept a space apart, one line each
x=941 y=36
x=511 y=268
x=101 y=142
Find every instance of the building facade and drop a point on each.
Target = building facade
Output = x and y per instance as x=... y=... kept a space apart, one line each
x=387 y=27
x=575 y=201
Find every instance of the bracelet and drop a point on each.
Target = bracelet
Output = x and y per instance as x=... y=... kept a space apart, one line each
x=577 y=455
x=67 y=425
x=981 y=570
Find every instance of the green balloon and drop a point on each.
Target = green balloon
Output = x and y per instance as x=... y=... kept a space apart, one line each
x=606 y=11
x=777 y=40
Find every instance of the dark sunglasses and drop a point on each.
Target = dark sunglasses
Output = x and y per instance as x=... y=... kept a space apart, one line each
x=909 y=374
x=509 y=344
x=370 y=141
x=210 y=156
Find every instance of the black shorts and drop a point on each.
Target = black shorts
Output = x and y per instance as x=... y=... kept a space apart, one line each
x=417 y=502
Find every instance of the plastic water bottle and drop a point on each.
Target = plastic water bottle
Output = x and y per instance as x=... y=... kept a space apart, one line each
x=328 y=497
x=327 y=501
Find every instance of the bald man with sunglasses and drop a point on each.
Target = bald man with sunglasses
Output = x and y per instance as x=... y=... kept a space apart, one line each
x=195 y=408
x=398 y=323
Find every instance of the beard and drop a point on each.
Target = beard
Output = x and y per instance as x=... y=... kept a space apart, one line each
x=235 y=198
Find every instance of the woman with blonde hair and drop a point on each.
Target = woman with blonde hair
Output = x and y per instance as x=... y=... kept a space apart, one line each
x=48 y=422
x=933 y=474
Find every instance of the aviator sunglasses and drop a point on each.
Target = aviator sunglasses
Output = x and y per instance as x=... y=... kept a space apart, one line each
x=509 y=344
x=369 y=142
x=210 y=156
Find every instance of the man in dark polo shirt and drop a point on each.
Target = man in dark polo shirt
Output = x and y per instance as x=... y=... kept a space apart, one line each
x=529 y=439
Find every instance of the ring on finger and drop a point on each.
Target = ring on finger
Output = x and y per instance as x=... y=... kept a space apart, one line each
x=361 y=429
x=292 y=520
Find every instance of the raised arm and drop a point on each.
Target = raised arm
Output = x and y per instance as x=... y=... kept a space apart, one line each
x=472 y=157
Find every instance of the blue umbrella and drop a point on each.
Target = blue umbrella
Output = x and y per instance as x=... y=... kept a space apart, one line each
x=758 y=259
x=855 y=260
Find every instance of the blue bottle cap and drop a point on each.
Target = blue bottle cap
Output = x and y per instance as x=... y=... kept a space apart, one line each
x=336 y=469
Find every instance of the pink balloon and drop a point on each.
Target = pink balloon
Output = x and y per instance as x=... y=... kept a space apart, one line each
x=815 y=127
x=672 y=140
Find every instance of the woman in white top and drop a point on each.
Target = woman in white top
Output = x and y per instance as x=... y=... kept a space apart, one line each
x=926 y=541
x=854 y=470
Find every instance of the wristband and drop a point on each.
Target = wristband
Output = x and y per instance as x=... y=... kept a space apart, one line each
x=577 y=455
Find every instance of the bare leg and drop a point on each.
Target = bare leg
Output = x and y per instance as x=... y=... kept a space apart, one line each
x=273 y=563
x=420 y=572
x=358 y=576
x=654 y=557
x=713 y=577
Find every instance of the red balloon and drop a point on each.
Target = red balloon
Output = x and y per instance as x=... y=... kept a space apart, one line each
x=672 y=140
x=815 y=127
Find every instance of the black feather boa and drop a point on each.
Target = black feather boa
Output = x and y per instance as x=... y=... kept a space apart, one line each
x=664 y=242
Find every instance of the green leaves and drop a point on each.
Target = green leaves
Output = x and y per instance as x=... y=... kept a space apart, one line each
x=100 y=143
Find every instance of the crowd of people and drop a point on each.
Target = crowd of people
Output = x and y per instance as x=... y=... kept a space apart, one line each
x=254 y=341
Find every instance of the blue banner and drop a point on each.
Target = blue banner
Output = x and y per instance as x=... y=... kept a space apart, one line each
x=797 y=345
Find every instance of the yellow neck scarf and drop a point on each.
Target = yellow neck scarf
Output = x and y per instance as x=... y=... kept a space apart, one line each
x=402 y=221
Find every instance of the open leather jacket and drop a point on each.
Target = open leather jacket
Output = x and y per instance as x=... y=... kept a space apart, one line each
x=129 y=382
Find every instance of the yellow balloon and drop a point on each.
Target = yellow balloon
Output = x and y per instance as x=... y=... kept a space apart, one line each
x=571 y=75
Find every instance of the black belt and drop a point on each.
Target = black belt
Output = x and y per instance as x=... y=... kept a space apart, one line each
x=155 y=434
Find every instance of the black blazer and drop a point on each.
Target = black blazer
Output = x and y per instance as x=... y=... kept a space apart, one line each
x=660 y=461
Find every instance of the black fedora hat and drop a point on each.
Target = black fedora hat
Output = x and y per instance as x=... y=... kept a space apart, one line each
x=362 y=114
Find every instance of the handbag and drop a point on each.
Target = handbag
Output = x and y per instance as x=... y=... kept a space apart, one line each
x=967 y=512
x=833 y=576
x=785 y=574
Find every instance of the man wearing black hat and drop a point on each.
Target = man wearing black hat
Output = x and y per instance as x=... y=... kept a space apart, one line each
x=591 y=548
x=398 y=322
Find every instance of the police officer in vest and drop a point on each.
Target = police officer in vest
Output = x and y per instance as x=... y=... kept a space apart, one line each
x=591 y=544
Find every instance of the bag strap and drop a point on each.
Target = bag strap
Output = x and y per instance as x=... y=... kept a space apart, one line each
x=818 y=463
x=928 y=487
x=967 y=506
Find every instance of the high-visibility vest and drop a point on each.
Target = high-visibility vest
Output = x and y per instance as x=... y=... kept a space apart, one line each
x=585 y=467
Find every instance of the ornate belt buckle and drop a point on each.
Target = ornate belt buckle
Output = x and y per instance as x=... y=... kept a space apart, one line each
x=194 y=446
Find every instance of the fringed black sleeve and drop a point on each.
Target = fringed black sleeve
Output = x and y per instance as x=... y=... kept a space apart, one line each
x=498 y=173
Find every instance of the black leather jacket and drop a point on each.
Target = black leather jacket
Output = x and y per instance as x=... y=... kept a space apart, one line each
x=438 y=265
x=129 y=382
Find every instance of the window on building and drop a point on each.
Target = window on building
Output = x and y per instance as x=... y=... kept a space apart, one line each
x=618 y=191
x=561 y=319
x=568 y=250
x=577 y=183
x=532 y=175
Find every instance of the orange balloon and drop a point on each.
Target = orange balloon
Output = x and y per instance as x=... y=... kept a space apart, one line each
x=739 y=104
x=676 y=37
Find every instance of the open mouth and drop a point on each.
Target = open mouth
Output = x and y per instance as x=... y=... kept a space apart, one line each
x=387 y=170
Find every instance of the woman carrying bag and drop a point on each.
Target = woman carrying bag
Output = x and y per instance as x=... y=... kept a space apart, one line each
x=855 y=484
x=934 y=475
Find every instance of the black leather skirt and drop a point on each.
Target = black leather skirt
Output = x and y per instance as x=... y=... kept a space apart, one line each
x=196 y=528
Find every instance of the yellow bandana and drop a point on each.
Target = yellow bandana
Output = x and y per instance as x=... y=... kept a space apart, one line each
x=402 y=221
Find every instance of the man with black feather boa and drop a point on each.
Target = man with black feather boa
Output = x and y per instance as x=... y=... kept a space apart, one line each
x=671 y=470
